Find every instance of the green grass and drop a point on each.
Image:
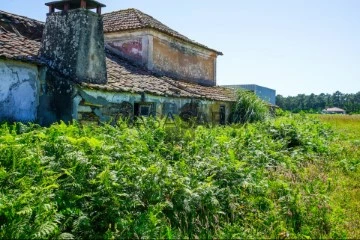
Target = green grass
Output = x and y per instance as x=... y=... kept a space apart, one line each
x=283 y=178
x=345 y=172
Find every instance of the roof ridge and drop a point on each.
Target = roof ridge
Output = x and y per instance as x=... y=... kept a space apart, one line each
x=138 y=14
x=137 y=19
x=21 y=16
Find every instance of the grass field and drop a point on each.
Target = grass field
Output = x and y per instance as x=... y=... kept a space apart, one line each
x=345 y=172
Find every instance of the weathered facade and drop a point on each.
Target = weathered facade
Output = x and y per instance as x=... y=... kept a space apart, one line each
x=144 y=40
x=146 y=70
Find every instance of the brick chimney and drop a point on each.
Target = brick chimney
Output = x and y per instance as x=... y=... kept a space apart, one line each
x=73 y=40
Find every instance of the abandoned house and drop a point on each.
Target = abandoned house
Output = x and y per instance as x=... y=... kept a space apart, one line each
x=87 y=66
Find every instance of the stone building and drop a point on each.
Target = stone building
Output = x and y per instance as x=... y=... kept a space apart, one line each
x=93 y=67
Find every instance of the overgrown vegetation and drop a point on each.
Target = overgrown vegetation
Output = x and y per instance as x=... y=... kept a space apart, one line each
x=257 y=180
x=344 y=170
x=249 y=108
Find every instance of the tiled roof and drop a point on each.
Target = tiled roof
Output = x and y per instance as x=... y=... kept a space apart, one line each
x=18 y=48
x=335 y=109
x=131 y=19
x=125 y=77
x=21 y=26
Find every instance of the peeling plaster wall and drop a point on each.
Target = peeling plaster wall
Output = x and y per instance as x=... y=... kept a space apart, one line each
x=100 y=106
x=19 y=85
x=165 y=55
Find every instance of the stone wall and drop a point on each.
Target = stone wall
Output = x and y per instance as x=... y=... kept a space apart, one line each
x=19 y=91
x=73 y=43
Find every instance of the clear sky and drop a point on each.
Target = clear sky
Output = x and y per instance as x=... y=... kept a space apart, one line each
x=292 y=46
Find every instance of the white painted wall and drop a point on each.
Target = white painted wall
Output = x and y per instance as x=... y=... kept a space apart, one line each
x=18 y=91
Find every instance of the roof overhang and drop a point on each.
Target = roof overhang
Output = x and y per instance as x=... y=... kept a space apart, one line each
x=90 y=4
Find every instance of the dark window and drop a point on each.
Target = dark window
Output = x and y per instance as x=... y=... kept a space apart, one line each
x=222 y=115
x=145 y=110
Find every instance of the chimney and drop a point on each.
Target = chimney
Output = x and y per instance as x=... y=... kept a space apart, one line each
x=73 y=40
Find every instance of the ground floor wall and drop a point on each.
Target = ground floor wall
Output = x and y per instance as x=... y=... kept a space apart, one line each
x=94 y=105
x=29 y=93
x=19 y=91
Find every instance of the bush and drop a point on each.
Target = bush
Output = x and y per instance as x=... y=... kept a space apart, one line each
x=249 y=108
x=88 y=182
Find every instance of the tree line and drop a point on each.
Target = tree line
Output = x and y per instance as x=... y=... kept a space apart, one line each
x=316 y=103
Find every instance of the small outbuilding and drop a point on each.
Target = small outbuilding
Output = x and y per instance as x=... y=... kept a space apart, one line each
x=333 y=110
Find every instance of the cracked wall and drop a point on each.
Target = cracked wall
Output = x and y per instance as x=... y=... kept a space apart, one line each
x=19 y=96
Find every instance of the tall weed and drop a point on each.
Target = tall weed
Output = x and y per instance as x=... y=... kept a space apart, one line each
x=151 y=181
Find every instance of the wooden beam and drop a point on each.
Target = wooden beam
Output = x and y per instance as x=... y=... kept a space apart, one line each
x=98 y=10
x=66 y=7
x=51 y=9
x=83 y=4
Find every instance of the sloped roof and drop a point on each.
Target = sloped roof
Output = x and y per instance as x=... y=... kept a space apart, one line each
x=15 y=47
x=131 y=19
x=334 y=109
x=21 y=26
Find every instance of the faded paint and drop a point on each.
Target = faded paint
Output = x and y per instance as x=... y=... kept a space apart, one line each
x=19 y=96
x=131 y=49
x=107 y=106
x=132 y=46
x=182 y=61
x=165 y=55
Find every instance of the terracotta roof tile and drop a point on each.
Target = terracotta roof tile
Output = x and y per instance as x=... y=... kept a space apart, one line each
x=22 y=26
x=18 y=48
x=131 y=19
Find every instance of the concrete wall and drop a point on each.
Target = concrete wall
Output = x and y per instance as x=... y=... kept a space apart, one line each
x=73 y=43
x=19 y=91
x=184 y=61
x=165 y=55
x=100 y=106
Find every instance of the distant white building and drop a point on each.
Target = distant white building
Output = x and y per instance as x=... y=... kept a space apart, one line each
x=334 y=110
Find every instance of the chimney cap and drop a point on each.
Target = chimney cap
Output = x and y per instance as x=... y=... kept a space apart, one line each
x=60 y=5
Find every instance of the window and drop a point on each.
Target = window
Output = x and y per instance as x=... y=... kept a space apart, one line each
x=144 y=110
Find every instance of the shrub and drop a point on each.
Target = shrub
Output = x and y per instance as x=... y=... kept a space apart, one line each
x=249 y=108
x=105 y=182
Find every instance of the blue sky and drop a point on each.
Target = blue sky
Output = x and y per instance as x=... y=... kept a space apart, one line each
x=292 y=46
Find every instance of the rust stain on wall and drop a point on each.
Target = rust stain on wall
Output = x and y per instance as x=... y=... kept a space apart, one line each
x=183 y=62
